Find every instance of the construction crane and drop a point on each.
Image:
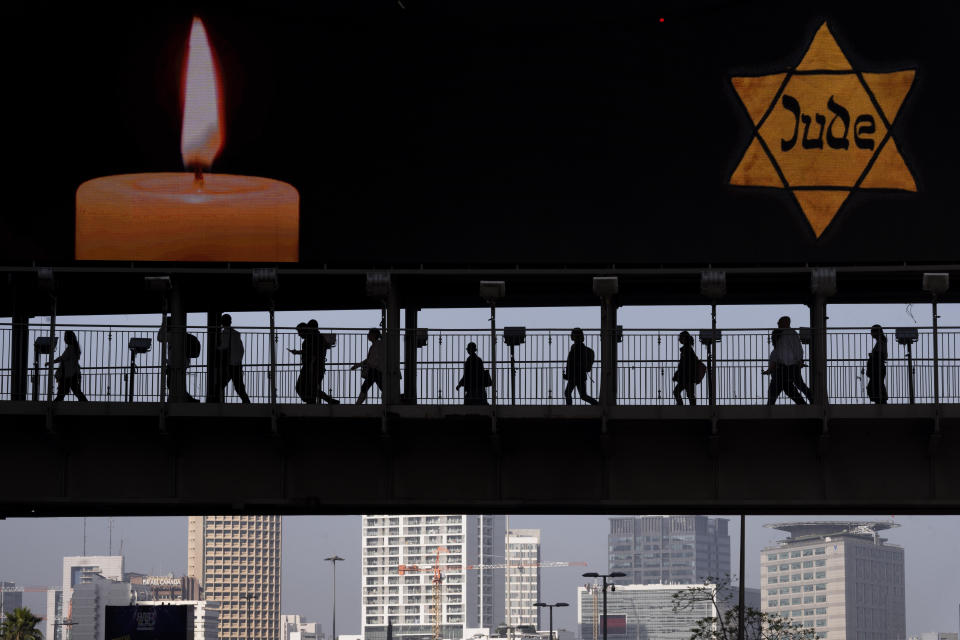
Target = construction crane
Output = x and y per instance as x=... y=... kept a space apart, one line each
x=29 y=589
x=438 y=569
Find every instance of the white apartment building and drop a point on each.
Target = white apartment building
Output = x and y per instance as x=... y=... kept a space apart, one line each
x=89 y=603
x=839 y=578
x=206 y=615
x=522 y=577
x=294 y=627
x=236 y=560
x=83 y=570
x=471 y=595
x=55 y=614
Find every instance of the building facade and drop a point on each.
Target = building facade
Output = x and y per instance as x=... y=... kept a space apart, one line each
x=52 y=629
x=11 y=597
x=164 y=587
x=89 y=601
x=668 y=549
x=839 y=578
x=522 y=577
x=397 y=580
x=84 y=569
x=236 y=562
x=294 y=627
x=638 y=612
x=206 y=615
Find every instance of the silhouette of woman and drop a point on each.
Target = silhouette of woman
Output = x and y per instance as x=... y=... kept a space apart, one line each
x=69 y=371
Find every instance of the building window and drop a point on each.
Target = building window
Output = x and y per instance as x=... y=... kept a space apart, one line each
x=771 y=556
x=807 y=564
x=821 y=598
x=821 y=611
x=821 y=575
x=821 y=587
x=772 y=567
x=821 y=622
x=819 y=551
x=809 y=575
x=771 y=603
x=819 y=563
x=807 y=552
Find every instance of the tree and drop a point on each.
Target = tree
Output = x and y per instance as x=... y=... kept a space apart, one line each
x=20 y=624
x=725 y=625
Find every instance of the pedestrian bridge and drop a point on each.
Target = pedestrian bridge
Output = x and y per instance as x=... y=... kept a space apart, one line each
x=138 y=448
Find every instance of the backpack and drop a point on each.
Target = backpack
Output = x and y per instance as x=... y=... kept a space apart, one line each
x=701 y=371
x=590 y=357
x=192 y=347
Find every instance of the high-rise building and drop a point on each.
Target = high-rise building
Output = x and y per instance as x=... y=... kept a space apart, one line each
x=206 y=615
x=236 y=561
x=10 y=597
x=294 y=627
x=638 y=611
x=53 y=630
x=79 y=570
x=936 y=635
x=470 y=598
x=840 y=578
x=668 y=549
x=522 y=587
x=89 y=602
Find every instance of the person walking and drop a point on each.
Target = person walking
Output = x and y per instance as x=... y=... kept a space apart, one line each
x=686 y=376
x=68 y=373
x=579 y=362
x=876 y=370
x=313 y=356
x=371 y=367
x=231 y=358
x=474 y=380
x=784 y=364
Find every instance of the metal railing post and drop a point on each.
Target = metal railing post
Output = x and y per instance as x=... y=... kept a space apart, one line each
x=493 y=353
x=936 y=356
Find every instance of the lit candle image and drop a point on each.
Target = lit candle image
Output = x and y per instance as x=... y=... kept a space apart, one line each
x=194 y=215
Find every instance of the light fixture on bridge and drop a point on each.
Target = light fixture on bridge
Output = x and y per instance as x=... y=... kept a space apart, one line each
x=806 y=335
x=139 y=345
x=44 y=345
x=492 y=290
x=713 y=284
x=421 y=337
x=907 y=335
x=710 y=336
x=45 y=279
x=606 y=286
x=514 y=336
x=265 y=280
x=378 y=285
x=159 y=284
x=823 y=281
x=936 y=283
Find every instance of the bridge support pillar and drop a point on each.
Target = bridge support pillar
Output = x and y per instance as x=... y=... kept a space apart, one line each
x=20 y=345
x=410 y=355
x=607 y=288
x=823 y=284
x=176 y=340
x=214 y=390
x=391 y=389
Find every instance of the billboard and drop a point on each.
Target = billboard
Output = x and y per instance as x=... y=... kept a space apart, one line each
x=149 y=622
x=539 y=134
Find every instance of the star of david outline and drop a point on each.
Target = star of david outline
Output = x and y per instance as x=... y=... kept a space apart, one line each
x=822 y=204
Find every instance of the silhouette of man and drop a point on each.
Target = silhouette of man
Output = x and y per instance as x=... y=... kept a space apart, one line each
x=877 y=367
x=579 y=362
x=472 y=382
x=784 y=364
x=231 y=355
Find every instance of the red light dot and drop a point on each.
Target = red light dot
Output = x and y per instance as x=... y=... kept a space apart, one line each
x=661 y=19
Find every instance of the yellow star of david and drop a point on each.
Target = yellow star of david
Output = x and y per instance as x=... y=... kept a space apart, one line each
x=823 y=130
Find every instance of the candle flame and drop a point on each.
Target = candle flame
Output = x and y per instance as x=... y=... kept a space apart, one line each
x=202 y=134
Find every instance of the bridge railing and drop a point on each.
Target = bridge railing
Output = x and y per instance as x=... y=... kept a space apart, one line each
x=534 y=375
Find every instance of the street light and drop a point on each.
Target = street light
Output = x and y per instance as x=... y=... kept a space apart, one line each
x=555 y=604
x=334 y=559
x=612 y=574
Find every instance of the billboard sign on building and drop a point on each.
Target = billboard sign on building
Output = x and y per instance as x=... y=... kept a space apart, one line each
x=148 y=622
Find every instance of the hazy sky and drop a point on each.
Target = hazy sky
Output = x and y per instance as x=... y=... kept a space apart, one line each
x=31 y=550
x=31 y=553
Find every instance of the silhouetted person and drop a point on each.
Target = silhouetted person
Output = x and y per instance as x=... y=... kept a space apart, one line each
x=579 y=362
x=68 y=373
x=313 y=353
x=877 y=367
x=231 y=358
x=784 y=364
x=474 y=380
x=371 y=368
x=686 y=375
x=191 y=350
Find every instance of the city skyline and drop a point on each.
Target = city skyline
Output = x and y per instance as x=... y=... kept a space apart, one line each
x=31 y=553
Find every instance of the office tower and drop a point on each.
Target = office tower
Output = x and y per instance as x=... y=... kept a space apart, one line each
x=206 y=615
x=89 y=602
x=79 y=570
x=236 y=561
x=522 y=577
x=294 y=627
x=668 y=549
x=53 y=630
x=638 y=611
x=840 y=578
x=471 y=597
x=10 y=597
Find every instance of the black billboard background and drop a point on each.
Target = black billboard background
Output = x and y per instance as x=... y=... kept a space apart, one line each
x=480 y=133
x=148 y=622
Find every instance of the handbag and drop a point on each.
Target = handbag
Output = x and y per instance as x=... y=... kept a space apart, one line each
x=487 y=380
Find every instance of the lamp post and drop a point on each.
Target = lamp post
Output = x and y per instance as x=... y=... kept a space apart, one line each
x=334 y=559
x=612 y=574
x=555 y=604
